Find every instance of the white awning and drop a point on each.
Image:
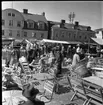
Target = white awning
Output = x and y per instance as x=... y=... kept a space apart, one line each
x=98 y=40
x=63 y=42
x=54 y=41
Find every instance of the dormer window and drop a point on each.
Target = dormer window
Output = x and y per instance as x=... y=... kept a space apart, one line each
x=41 y=25
x=9 y=14
x=13 y=14
x=30 y=23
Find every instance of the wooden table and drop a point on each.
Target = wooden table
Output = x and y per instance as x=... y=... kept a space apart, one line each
x=42 y=76
x=98 y=71
x=95 y=80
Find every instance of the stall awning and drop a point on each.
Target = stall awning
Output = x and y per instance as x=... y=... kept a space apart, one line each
x=63 y=42
x=98 y=40
x=54 y=41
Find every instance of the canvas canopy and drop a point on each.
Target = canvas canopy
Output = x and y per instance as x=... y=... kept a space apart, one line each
x=98 y=40
x=63 y=42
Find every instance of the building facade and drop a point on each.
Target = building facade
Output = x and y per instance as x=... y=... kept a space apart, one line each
x=23 y=25
x=71 y=32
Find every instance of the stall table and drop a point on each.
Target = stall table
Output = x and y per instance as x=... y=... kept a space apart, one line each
x=95 y=80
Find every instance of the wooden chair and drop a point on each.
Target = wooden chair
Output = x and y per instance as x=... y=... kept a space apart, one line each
x=93 y=92
x=75 y=83
x=26 y=70
x=47 y=95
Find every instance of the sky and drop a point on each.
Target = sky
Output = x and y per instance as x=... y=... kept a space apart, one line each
x=89 y=13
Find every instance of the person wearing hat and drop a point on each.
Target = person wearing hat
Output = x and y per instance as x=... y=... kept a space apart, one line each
x=76 y=57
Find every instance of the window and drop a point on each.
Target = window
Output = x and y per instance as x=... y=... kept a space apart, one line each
x=13 y=14
x=9 y=14
x=40 y=25
x=10 y=22
x=33 y=34
x=85 y=37
x=80 y=37
x=30 y=25
x=25 y=34
x=18 y=33
x=56 y=34
x=74 y=36
x=62 y=34
x=69 y=34
x=3 y=22
x=10 y=32
x=42 y=35
x=2 y=32
x=18 y=23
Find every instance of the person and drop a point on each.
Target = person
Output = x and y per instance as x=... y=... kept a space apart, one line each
x=59 y=60
x=76 y=58
x=9 y=83
x=8 y=56
x=98 y=49
x=31 y=54
x=82 y=54
x=23 y=51
x=69 y=52
x=73 y=51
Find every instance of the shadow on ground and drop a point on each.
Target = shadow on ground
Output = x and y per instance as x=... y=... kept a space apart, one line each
x=63 y=90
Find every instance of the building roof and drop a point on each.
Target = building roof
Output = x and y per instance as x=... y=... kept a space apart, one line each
x=34 y=17
x=68 y=25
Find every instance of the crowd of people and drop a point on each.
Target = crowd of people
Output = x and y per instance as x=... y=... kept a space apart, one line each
x=55 y=52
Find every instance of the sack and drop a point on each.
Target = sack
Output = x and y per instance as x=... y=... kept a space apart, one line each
x=30 y=92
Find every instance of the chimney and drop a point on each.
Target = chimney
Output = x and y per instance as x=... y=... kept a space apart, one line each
x=25 y=11
x=43 y=13
x=62 y=23
x=76 y=25
x=89 y=28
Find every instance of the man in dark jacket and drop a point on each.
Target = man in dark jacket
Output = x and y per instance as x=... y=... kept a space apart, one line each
x=59 y=59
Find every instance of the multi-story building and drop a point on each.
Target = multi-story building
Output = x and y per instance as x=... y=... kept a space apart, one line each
x=71 y=32
x=24 y=25
x=21 y=25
